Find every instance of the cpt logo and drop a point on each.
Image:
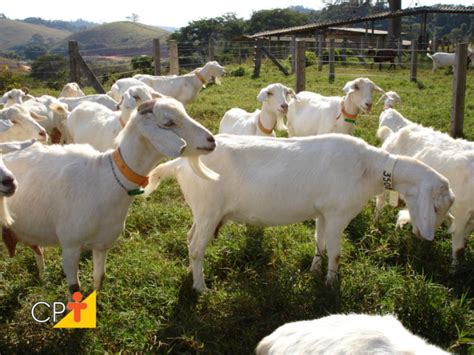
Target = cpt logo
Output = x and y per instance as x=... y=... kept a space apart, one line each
x=82 y=313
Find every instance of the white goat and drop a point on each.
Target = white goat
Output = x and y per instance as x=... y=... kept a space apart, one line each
x=14 y=96
x=98 y=126
x=23 y=125
x=184 y=88
x=266 y=181
x=390 y=117
x=55 y=113
x=355 y=334
x=71 y=90
x=274 y=99
x=313 y=114
x=8 y=183
x=453 y=158
x=100 y=185
x=102 y=99
x=442 y=59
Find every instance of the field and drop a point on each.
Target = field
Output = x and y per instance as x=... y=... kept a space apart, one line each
x=258 y=279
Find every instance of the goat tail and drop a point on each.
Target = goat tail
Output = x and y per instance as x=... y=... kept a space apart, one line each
x=383 y=133
x=5 y=217
x=162 y=171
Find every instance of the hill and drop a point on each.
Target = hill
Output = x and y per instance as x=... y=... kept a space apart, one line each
x=118 y=38
x=15 y=33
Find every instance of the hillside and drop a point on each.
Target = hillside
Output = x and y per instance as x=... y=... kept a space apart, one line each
x=120 y=36
x=14 y=33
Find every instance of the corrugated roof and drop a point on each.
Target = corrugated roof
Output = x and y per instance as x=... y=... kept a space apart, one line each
x=310 y=28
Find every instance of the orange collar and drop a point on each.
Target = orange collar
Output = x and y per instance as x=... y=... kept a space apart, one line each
x=263 y=129
x=126 y=171
x=201 y=78
x=122 y=124
x=347 y=116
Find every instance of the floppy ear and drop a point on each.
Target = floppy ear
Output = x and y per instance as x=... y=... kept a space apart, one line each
x=57 y=108
x=349 y=87
x=5 y=125
x=156 y=95
x=165 y=141
x=37 y=117
x=263 y=95
x=426 y=216
x=291 y=93
x=13 y=146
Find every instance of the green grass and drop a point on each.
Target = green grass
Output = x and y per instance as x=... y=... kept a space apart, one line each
x=258 y=278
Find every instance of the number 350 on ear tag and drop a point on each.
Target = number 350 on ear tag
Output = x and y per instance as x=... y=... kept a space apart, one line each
x=393 y=198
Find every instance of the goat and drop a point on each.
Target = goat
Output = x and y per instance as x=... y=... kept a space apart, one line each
x=313 y=114
x=100 y=185
x=265 y=181
x=14 y=96
x=356 y=334
x=453 y=158
x=274 y=99
x=184 y=88
x=98 y=126
x=71 y=90
x=442 y=59
x=23 y=124
x=102 y=99
x=381 y=56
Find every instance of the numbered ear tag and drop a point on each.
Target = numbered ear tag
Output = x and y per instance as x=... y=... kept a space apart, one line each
x=393 y=198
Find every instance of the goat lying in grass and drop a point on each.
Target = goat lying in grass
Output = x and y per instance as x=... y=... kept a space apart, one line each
x=271 y=182
x=355 y=334
x=85 y=195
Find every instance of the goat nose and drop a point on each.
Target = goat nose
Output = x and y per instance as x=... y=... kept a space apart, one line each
x=211 y=139
x=8 y=181
x=369 y=106
x=284 y=106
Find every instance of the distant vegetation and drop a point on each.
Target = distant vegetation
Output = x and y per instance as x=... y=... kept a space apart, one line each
x=71 y=26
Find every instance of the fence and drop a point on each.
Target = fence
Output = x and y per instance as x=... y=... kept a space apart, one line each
x=296 y=53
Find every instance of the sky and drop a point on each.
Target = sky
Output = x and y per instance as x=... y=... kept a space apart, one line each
x=174 y=13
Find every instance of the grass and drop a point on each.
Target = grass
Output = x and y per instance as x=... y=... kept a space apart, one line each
x=258 y=278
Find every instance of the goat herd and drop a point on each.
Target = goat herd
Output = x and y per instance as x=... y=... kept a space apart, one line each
x=243 y=174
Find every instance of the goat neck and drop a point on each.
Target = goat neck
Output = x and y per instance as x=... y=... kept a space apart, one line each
x=348 y=107
x=266 y=120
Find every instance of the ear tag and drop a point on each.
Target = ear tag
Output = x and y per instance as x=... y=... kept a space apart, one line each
x=393 y=198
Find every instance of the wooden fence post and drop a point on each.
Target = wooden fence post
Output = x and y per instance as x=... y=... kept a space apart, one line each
x=78 y=64
x=257 y=58
x=459 y=90
x=321 y=45
x=174 y=63
x=332 y=61
x=74 y=73
x=157 y=56
x=300 y=65
x=344 y=51
x=414 y=60
x=399 y=52
x=211 y=49
x=293 y=54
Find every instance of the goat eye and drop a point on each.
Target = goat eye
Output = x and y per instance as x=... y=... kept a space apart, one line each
x=269 y=93
x=169 y=124
x=356 y=87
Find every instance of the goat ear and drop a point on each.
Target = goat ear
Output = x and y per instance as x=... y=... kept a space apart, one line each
x=384 y=96
x=292 y=93
x=57 y=108
x=379 y=89
x=156 y=95
x=426 y=216
x=5 y=125
x=262 y=95
x=146 y=107
x=165 y=141
x=13 y=146
x=37 y=117
x=349 y=87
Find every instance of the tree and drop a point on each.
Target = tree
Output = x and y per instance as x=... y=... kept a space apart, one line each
x=133 y=17
x=49 y=67
x=265 y=20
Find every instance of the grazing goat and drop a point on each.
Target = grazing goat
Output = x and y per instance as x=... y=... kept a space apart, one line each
x=312 y=114
x=390 y=117
x=274 y=99
x=14 y=96
x=442 y=59
x=71 y=90
x=85 y=195
x=453 y=158
x=8 y=183
x=184 y=88
x=265 y=181
x=102 y=99
x=355 y=334
x=381 y=56
x=23 y=125
x=98 y=126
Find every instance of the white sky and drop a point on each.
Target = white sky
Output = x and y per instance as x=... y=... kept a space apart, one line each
x=174 y=13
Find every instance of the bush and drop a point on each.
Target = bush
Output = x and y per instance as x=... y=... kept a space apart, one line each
x=144 y=63
x=51 y=68
x=240 y=71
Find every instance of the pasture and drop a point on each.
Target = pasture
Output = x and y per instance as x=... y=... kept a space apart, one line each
x=258 y=279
